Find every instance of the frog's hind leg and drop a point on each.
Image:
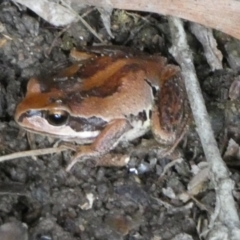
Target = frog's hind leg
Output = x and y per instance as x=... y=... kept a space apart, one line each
x=171 y=112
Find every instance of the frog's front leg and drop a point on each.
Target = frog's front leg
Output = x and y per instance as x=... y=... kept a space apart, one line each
x=104 y=142
x=171 y=112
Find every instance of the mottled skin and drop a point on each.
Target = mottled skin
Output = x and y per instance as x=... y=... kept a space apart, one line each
x=107 y=96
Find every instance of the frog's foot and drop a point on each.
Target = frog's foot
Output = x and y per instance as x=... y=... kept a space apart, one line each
x=108 y=160
x=171 y=153
x=113 y=160
x=171 y=150
x=83 y=153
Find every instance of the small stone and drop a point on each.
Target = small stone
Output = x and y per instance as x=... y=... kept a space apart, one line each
x=14 y=231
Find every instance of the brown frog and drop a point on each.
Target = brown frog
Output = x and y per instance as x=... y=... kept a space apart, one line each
x=107 y=96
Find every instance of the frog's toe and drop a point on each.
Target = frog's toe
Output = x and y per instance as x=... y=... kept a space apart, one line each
x=113 y=160
x=71 y=164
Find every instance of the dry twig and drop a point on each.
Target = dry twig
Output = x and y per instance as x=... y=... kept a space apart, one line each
x=212 y=53
x=32 y=153
x=225 y=220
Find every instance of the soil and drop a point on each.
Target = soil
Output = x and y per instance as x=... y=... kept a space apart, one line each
x=132 y=202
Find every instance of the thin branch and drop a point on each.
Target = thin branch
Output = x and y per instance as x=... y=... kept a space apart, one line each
x=225 y=214
x=32 y=153
x=205 y=37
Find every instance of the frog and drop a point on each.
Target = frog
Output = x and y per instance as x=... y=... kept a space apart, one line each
x=107 y=96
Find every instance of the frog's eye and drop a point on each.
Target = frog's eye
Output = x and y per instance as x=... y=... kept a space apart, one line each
x=57 y=117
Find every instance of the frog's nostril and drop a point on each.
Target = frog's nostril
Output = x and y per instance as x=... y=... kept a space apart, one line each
x=31 y=113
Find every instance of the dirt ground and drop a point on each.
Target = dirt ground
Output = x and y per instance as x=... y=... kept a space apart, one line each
x=133 y=202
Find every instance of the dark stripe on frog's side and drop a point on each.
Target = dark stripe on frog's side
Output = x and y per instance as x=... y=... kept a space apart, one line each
x=97 y=124
x=83 y=124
